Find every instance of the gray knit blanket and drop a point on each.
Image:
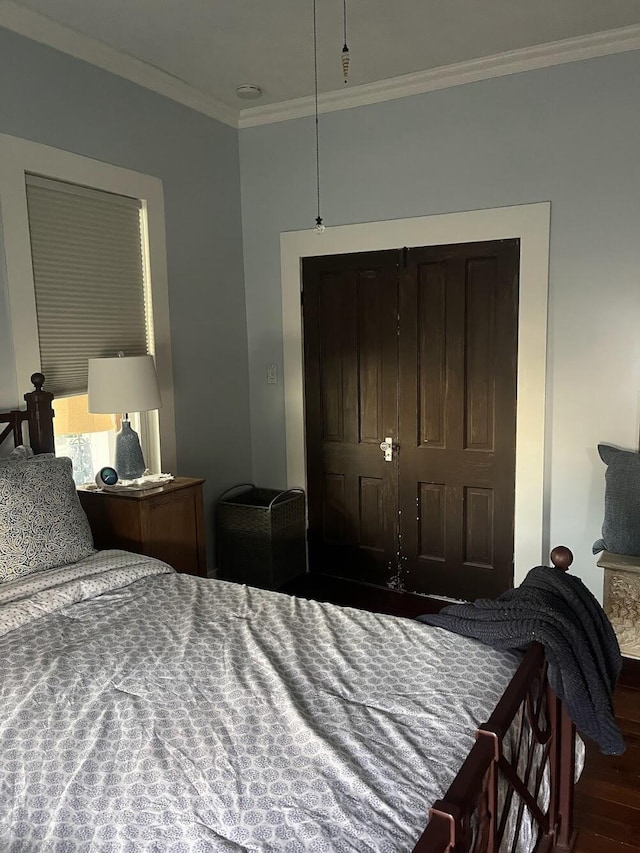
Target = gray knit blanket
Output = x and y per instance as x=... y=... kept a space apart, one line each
x=557 y=610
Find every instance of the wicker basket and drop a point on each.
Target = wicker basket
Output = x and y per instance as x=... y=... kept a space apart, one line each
x=260 y=535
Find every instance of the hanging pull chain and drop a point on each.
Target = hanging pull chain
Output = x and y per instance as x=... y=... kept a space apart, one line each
x=345 y=48
x=319 y=224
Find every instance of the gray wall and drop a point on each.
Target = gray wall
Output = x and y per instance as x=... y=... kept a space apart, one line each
x=568 y=135
x=48 y=97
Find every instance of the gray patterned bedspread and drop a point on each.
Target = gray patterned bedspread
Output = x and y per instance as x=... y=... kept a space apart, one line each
x=143 y=710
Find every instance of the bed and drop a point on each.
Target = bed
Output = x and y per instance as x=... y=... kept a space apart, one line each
x=149 y=710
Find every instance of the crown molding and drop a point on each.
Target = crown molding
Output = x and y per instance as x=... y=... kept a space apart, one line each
x=500 y=65
x=46 y=31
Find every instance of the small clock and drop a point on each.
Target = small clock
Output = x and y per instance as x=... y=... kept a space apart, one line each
x=106 y=477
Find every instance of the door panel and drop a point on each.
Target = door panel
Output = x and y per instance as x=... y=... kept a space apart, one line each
x=479 y=318
x=432 y=352
x=419 y=345
x=457 y=394
x=351 y=363
x=431 y=521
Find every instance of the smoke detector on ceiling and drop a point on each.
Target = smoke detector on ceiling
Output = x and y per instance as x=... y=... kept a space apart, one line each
x=248 y=91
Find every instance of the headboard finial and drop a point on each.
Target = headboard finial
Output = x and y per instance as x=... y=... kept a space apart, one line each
x=561 y=557
x=37 y=380
x=40 y=417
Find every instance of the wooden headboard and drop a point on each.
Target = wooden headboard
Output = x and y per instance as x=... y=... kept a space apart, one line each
x=38 y=415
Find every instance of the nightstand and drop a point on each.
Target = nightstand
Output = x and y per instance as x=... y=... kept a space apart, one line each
x=622 y=599
x=166 y=522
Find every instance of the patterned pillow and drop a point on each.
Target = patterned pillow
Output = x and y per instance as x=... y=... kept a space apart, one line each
x=42 y=524
x=621 y=526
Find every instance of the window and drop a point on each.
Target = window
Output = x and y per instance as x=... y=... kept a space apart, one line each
x=92 y=300
x=87 y=439
x=61 y=299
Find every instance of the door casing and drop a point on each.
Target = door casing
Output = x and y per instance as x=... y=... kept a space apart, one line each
x=531 y=224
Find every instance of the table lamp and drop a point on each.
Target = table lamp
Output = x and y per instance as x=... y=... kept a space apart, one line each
x=119 y=386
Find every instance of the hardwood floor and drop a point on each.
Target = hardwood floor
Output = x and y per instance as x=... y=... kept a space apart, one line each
x=607 y=804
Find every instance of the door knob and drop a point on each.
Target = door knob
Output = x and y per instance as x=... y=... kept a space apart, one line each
x=387 y=448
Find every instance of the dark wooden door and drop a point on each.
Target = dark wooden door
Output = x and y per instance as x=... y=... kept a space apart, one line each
x=457 y=421
x=420 y=346
x=350 y=310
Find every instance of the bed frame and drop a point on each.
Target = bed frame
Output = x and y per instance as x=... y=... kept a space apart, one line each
x=470 y=818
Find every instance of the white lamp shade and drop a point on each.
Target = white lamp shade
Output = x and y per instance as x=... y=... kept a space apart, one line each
x=120 y=385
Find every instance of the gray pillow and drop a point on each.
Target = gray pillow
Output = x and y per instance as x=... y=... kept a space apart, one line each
x=621 y=526
x=42 y=524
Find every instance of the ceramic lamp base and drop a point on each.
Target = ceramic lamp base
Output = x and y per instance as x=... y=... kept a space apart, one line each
x=129 y=458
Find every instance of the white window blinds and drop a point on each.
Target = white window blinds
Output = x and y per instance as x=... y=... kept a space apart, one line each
x=89 y=277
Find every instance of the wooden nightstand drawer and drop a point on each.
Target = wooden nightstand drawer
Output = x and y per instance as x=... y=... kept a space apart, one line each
x=166 y=522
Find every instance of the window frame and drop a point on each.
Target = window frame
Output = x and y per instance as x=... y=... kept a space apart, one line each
x=20 y=156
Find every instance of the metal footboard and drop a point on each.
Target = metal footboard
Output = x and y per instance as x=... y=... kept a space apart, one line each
x=517 y=781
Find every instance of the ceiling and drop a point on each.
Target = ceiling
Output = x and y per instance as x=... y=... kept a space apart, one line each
x=200 y=50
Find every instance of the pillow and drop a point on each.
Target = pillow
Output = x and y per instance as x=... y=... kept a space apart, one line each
x=42 y=524
x=621 y=526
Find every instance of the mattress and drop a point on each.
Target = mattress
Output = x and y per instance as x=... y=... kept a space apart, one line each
x=148 y=710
